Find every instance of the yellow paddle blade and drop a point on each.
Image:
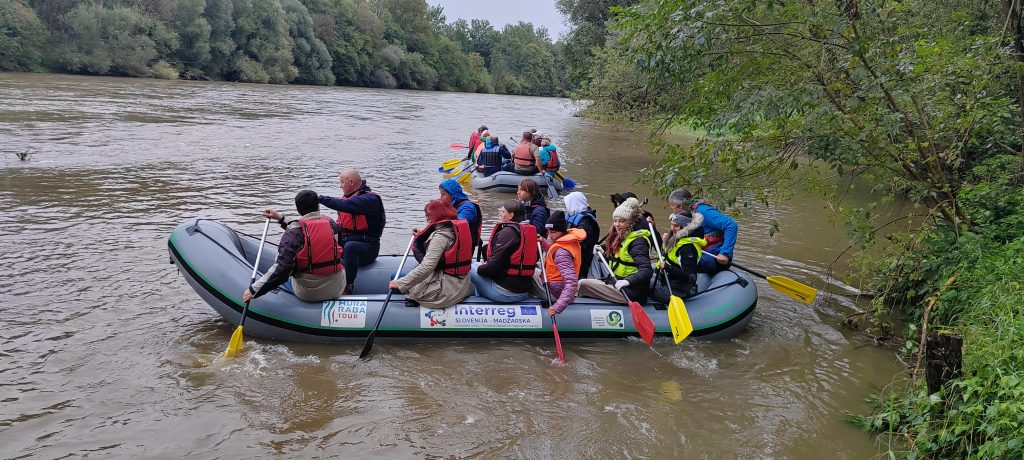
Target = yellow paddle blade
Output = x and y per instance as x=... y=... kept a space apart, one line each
x=235 y=345
x=464 y=178
x=679 y=319
x=794 y=289
x=452 y=163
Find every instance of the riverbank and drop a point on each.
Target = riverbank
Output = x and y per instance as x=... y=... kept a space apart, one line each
x=967 y=283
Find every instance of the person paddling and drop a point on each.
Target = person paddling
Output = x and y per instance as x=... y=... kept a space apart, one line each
x=580 y=215
x=511 y=257
x=493 y=158
x=562 y=261
x=536 y=208
x=469 y=211
x=308 y=252
x=474 y=141
x=444 y=250
x=628 y=254
x=361 y=217
x=683 y=247
x=524 y=157
x=548 y=157
x=720 y=230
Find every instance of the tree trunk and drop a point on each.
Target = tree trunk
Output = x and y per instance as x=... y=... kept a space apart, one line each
x=944 y=362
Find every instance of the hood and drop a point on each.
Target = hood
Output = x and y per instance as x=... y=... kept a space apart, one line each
x=575 y=203
x=454 y=189
x=574 y=234
x=536 y=201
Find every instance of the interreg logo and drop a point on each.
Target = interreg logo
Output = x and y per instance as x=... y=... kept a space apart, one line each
x=436 y=317
x=528 y=309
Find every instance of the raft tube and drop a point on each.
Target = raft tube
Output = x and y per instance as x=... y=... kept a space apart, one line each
x=217 y=261
x=504 y=181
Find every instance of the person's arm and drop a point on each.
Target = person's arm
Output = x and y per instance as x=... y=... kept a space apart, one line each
x=568 y=270
x=436 y=245
x=366 y=204
x=539 y=217
x=719 y=220
x=467 y=212
x=504 y=152
x=640 y=251
x=283 y=266
x=504 y=243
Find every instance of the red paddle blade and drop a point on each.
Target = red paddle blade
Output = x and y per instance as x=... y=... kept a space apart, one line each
x=642 y=323
x=558 y=342
x=457 y=146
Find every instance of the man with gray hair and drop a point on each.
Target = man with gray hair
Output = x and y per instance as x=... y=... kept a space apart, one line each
x=720 y=230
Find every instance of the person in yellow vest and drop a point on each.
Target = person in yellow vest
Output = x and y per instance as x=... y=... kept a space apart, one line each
x=683 y=246
x=562 y=261
x=628 y=253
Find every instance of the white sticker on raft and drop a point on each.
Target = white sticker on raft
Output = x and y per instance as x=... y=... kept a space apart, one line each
x=606 y=319
x=482 y=316
x=344 y=313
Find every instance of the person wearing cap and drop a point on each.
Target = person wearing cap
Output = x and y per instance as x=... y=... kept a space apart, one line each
x=580 y=215
x=562 y=261
x=627 y=251
x=308 y=253
x=475 y=140
x=647 y=217
x=469 y=211
x=493 y=158
x=683 y=246
x=720 y=230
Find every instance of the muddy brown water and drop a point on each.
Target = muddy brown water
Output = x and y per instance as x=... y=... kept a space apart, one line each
x=104 y=349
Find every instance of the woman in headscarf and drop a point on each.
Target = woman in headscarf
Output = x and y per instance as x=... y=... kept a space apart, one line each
x=628 y=254
x=445 y=253
x=580 y=215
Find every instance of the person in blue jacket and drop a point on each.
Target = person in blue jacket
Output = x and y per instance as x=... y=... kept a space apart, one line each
x=719 y=230
x=468 y=210
x=362 y=220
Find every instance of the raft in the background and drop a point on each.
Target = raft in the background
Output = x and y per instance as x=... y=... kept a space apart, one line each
x=504 y=181
x=216 y=261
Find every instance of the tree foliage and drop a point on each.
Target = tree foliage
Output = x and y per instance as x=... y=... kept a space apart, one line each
x=384 y=43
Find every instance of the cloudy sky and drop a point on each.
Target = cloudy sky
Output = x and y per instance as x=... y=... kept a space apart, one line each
x=539 y=12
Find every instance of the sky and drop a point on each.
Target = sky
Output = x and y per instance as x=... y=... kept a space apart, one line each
x=501 y=12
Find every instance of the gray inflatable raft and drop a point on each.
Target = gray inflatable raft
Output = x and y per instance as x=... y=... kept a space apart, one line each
x=217 y=262
x=504 y=181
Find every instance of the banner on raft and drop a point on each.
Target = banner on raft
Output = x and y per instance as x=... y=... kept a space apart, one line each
x=482 y=316
x=344 y=314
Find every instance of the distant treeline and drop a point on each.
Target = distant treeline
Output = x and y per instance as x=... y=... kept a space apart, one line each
x=376 y=43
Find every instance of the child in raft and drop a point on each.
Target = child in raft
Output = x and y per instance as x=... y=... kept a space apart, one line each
x=562 y=260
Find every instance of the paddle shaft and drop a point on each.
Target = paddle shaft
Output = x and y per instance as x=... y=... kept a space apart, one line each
x=752 y=272
x=369 y=339
x=658 y=250
x=600 y=255
x=547 y=293
x=255 y=267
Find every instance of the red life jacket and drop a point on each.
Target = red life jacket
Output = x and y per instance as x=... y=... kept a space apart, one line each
x=524 y=260
x=458 y=258
x=474 y=139
x=522 y=156
x=552 y=164
x=320 y=253
x=352 y=223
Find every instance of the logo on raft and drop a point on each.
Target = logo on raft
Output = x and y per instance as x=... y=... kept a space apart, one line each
x=606 y=319
x=482 y=316
x=343 y=314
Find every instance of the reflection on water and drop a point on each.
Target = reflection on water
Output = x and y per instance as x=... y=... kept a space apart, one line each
x=106 y=350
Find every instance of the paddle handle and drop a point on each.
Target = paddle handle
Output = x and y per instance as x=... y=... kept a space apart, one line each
x=255 y=267
x=600 y=255
x=752 y=272
x=657 y=249
x=365 y=353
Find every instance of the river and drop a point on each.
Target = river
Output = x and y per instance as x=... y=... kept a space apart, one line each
x=104 y=344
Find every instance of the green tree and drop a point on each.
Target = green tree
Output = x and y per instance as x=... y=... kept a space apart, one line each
x=220 y=16
x=264 y=52
x=311 y=56
x=22 y=36
x=193 y=31
x=115 y=41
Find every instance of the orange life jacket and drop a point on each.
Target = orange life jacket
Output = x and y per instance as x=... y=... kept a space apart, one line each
x=522 y=156
x=524 y=260
x=352 y=223
x=570 y=242
x=458 y=258
x=320 y=253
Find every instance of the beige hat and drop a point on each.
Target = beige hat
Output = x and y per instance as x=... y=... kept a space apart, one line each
x=629 y=210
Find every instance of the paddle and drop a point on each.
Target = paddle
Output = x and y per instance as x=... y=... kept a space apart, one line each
x=457 y=145
x=547 y=292
x=643 y=324
x=364 y=355
x=235 y=344
x=678 y=317
x=552 y=190
x=794 y=289
x=449 y=165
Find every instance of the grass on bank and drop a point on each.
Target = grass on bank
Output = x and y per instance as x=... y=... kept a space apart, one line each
x=980 y=415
